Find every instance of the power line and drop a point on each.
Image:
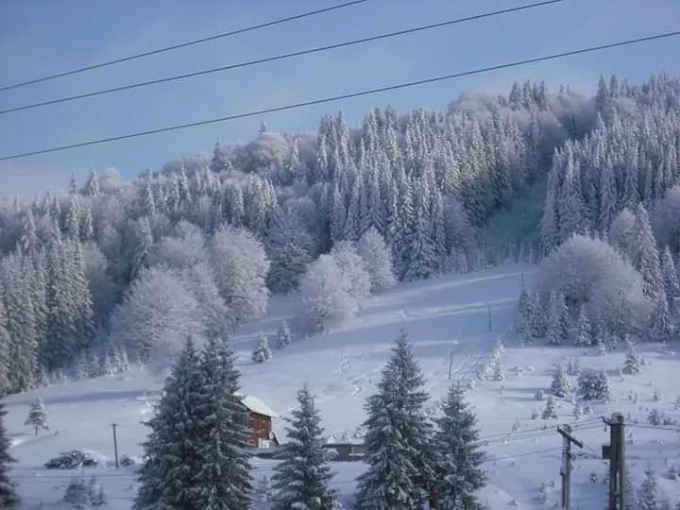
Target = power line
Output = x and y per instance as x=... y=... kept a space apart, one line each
x=350 y=95
x=181 y=45
x=284 y=56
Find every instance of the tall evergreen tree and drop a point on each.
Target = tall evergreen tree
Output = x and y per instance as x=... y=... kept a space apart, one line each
x=302 y=479
x=584 y=333
x=458 y=467
x=558 y=329
x=646 y=258
x=9 y=499
x=169 y=479
x=670 y=275
x=37 y=416
x=398 y=442
x=224 y=482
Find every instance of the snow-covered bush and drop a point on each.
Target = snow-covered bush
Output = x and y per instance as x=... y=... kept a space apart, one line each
x=354 y=270
x=594 y=385
x=591 y=274
x=283 y=336
x=262 y=351
x=550 y=410
x=72 y=460
x=560 y=386
x=37 y=416
x=327 y=295
x=82 y=495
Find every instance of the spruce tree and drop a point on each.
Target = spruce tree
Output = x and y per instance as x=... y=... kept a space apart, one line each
x=262 y=351
x=523 y=328
x=560 y=386
x=648 y=497
x=670 y=275
x=557 y=328
x=632 y=365
x=302 y=479
x=224 y=482
x=397 y=444
x=37 y=416
x=283 y=336
x=458 y=465
x=9 y=499
x=550 y=410
x=175 y=447
x=584 y=333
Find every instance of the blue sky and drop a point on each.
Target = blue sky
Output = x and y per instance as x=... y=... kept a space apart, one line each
x=43 y=36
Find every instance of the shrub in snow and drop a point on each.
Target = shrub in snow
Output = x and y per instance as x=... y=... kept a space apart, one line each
x=498 y=374
x=326 y=294
x=377 y=259
x=656 y=396
x=37 y=416
x=550 y=410
x=72 y=460
x=574 y=366
x=578 y=411
x=632 y=365
x=560 y=386
x=82 y=495
x=283 y=336
x=594 y=385
x=648 y=495
x=262 y=352
x=591 y=274
x=655 y=417
x=539 y=395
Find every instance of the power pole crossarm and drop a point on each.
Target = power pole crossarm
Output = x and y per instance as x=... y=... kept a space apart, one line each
x=565 y=472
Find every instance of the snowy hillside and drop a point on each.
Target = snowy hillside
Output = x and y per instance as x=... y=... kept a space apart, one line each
x=447 y=319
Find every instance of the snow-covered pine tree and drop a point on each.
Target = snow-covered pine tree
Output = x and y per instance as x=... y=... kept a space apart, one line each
x=224 y=482
x=670 y=275
x=9 y=499
x=458 y=465
x=523 y=329
x=4 y=352
x=262 y=351
x=661 y=329
x=584 y=333
x=76 y=493
x=560 y=386
x=174 y=449
x=95 y=492
x=37 y=416
x=302 y=480
x=558 y=326
x=397 y=443
x=646 y=256
x=550 y=410
x=648 y=496
x=283 y=335
x=537 y=318
x=632 y=365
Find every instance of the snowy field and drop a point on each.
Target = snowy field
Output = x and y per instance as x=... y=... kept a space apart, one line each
x=453 y=322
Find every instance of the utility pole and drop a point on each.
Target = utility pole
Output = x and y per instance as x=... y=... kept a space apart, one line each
x=522 y=280
x=565 y=472
x=615 y=452
x=488 y=308
x=455 y=342
x=115 y=443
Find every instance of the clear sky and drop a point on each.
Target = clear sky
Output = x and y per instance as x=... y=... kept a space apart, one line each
x=44 y=36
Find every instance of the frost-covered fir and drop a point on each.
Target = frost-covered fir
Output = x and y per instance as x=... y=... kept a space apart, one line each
x=560 y=386
x=37 y=416
x=550 y=409
x=283 y=336
x=648 y=495
x=594 y=385
x=523 y=329
x=557 y=325
x=397 y=443
x=458 y=468
x=302 y=479
x=9 y=499
x=632 y=365
x=262 y=352
x=584 y=334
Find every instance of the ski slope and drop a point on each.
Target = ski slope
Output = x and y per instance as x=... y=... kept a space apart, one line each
x=453 y=322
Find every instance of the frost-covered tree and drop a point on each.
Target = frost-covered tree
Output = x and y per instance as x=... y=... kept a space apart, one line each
x=648 y=495
x=377 y=259
x=523 y=329
x=646 y=256
x=584 y=333
x=4 y=352
x=670 y=275
x=560 y=386
x=156 y=316
x=353 y=270
x=458 y=467
x=262 y=352
x=558 y=319
x=76 y=493
x=632 y=365
x=283 y=338
x=302 y=479
x=240 y=266
x=398 y=438
x=550 y=410
x=37 y=416
x=594 y=385
x=224 y=482
x=174 y=449
x=9 y=499
x=327 y=295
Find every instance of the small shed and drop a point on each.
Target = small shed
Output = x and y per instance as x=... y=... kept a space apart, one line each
x=260 y=417
x=344 y=451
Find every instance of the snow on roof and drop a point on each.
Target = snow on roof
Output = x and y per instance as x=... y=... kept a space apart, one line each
x=255 y=405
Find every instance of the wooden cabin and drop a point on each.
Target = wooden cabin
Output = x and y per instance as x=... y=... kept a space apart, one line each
x=260 y=417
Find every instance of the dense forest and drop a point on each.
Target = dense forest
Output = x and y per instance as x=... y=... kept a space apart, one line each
x=112 y=270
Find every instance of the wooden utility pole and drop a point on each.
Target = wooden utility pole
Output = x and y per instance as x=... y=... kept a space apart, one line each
x=615 y=452
x=455 y=342
x=488 y=307
x=115 y=443
x=522 y=279
x=565 y=472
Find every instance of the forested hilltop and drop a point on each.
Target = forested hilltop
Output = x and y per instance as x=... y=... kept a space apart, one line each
x=113 y=270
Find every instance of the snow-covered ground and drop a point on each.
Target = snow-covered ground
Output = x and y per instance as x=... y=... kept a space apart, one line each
x=453 y=322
